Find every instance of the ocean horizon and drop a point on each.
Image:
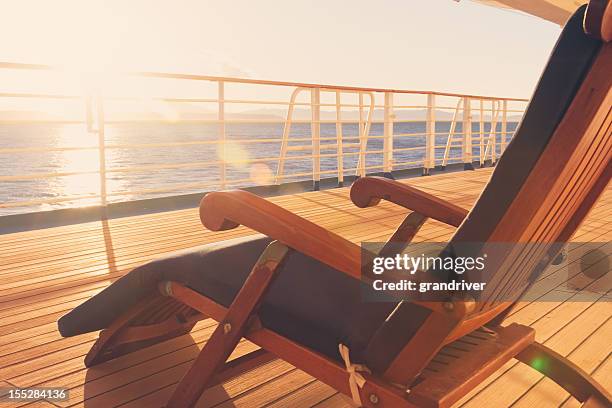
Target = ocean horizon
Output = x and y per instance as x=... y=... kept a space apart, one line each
x=247 y=162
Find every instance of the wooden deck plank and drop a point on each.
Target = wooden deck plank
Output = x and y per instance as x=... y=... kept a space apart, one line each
x=335 y=401
x=601 y=374
x=45 y=273
x=563 y=330
x=588 y=355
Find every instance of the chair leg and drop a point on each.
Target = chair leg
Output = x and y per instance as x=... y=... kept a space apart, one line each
x=230 y=330
x=156 y=318
x=595 y=402
x=572 y=378
x=403 y=235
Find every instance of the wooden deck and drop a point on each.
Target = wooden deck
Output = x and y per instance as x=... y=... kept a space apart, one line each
x=45 y=273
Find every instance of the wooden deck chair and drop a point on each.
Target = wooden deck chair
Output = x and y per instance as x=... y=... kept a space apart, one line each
x=296 y=290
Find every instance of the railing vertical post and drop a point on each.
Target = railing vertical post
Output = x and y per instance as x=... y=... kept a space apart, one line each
x=315 y=128
x=495 y=107
x=388 y=134
x=221 y=119
x=504 y=125
x=339 y=141
x=451 y=135
x=481 y=129
x=101 y=149
x=362 y=156
x=430 y=135
x=491 y=139
x=467 y=134
x=280 y=168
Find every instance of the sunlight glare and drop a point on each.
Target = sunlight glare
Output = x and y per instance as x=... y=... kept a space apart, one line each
x=84 y=162
x=261 y=174
x=234 y=155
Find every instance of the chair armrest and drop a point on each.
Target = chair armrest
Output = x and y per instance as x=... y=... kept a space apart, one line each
x=226 y=210
x=368 y=191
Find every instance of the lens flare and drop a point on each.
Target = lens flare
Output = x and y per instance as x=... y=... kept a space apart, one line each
x=539 y=363
x=261 y=174
x=233 y=154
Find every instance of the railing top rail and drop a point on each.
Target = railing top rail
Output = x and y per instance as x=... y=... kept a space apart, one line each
x=167 y=75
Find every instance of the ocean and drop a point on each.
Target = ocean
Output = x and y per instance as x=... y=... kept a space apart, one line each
x=247 y=163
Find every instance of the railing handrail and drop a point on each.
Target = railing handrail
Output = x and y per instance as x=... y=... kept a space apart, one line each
x=197 y=77
x=385 y=154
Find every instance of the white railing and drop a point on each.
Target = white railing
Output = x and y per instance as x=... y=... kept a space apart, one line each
x=325 y=131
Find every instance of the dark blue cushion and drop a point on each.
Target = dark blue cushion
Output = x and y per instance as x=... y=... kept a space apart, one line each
x=308 y=302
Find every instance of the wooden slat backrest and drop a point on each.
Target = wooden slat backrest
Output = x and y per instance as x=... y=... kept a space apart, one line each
x=544 y=185
x=539 y=193
x=576 y=157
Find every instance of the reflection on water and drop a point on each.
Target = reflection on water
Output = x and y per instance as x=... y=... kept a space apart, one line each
x=85 y=162
x=248 y=162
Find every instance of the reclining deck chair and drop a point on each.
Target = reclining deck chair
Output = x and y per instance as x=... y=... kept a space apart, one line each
x=296 y=290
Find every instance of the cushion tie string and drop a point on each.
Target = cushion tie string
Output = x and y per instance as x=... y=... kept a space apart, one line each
x=356 y=380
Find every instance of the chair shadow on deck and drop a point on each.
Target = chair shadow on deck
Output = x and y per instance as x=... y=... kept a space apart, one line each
x=108 y=246
x=146 y=377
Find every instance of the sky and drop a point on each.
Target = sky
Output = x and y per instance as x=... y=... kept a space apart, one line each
x=440 y=45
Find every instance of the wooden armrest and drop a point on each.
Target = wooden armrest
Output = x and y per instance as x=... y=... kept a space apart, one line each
x=368 y=191
x=226 y=210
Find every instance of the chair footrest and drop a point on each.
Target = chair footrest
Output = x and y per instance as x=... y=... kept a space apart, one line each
x=463 y=364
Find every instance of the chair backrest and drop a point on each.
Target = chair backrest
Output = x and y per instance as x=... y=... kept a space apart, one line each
x=547 y=180
x=552 y=172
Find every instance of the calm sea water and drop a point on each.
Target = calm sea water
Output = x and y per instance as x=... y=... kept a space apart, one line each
x=246 y=162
